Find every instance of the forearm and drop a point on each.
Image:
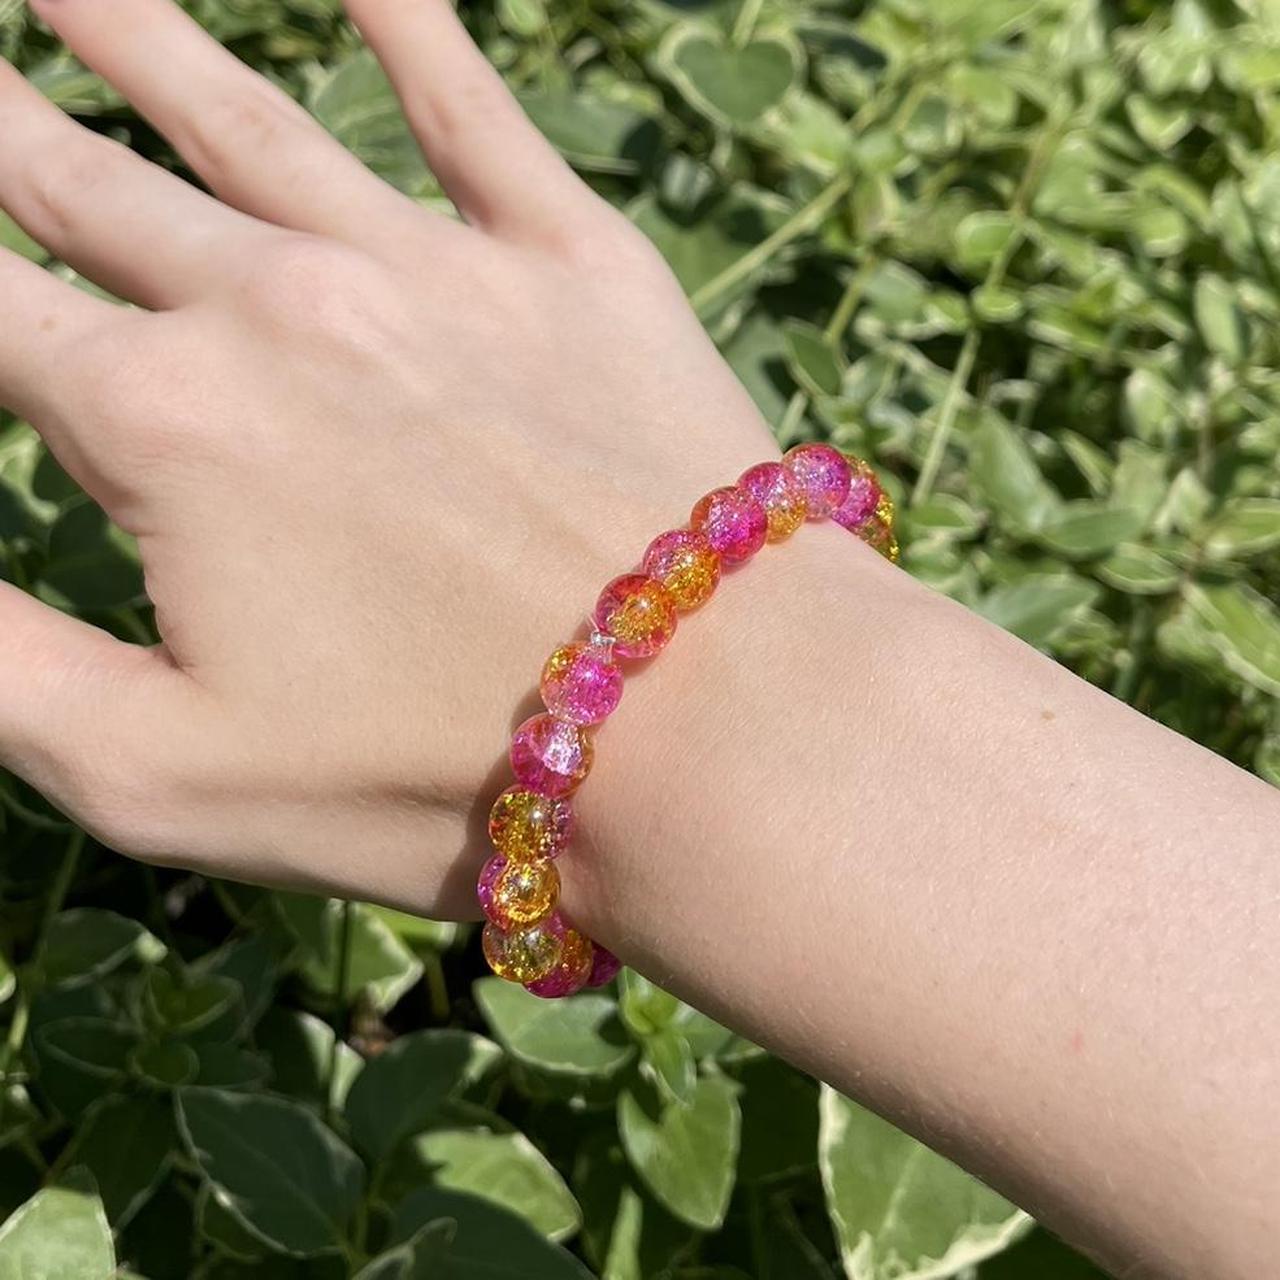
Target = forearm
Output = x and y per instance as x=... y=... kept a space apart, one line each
x=913 y=856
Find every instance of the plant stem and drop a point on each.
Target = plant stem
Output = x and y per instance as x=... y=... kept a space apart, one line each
x=40 y=821
x=340 y=987
x=801 y=221
x=946 y=419
x=744 y=24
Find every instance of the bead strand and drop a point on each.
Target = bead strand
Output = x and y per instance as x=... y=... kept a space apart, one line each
x=526 y=938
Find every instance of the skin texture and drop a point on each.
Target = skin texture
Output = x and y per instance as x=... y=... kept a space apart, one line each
x=379 y=462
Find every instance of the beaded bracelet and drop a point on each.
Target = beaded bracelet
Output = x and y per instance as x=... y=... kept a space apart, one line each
x=527 y=939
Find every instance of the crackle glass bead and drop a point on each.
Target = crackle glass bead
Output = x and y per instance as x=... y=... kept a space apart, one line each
x=823 y=473
x=879 y=536
x=638 y=613
x=732 y=521
x=525 y=953
x=525 y=824
x=604 y=967
x=581 y=683
x=862 y=500
x=685 y=563
x=551 y=755
x=573 y=971
x=517 y=893
x=778 y=491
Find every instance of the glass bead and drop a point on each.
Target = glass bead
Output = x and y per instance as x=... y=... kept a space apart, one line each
x=572 y=973
x=733 y=522
x=684 y=562
x=524 y=954
x=605 y=966
x=879 y=536
x=638 y=612
x=551 y=755
x=823 y=473
x=581 y=683
x=863 y=497
x=777 y=490
x=525 y=891
x=525 y=824
x=489 y=874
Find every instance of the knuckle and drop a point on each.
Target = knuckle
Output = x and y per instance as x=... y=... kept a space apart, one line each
x=475 y=105
x=62 y=184
x=251 y=118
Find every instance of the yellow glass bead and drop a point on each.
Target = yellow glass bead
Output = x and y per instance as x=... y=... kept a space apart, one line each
x=525 y=824
x=526 y=891
x=684 y=562
x=885 y=508
x=525 y=954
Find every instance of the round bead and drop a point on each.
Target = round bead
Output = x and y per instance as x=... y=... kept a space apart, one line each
x=733 y=522
x=526 y=953
x=524 y=892
x=525 y=824
x=684 y=562
x=551 y=755
x=489 y=874
x=604 y=967
x=638 y=612
x=581 y=683
x=573 y=971
x=823 y=473
x=864 y=495
x=879 y=536
x=777 y=490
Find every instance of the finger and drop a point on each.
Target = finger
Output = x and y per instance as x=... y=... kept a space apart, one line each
x=495 y=166
x=138 y=231
x=41 y=318
x=250 y=142
x=82 y=714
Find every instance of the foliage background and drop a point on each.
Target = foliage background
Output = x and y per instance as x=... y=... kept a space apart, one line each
x=1021 y=252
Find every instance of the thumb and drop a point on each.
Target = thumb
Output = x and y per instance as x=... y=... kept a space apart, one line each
x=89 y=720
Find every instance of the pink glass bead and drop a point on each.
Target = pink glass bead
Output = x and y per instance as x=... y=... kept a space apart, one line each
x=574 y=968
x=604 y=967
x=778 y=491
x=864 y=494
x=823 y=473
x=638 y=613
x=550 y=755
x=581 y=683
x=733 y=522
x=685 y=564
x=489 y=874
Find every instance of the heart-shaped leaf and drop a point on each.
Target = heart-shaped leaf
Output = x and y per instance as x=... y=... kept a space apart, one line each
x=733 y=85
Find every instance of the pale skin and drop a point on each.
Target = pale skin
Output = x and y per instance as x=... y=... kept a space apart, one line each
x=378 y=462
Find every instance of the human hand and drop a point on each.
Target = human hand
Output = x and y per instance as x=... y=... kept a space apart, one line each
x=377 y=461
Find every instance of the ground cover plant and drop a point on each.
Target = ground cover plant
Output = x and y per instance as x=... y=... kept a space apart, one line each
x=1023 y=254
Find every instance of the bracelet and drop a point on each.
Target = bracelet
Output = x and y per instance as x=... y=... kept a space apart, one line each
x=526 y=938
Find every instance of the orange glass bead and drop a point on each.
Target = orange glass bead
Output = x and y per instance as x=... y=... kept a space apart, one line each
x=525 y=824
x=577 y=962
x=525 y=954
x=781 y=495
x=638 y=613
x=526 y=891
x=685 y=563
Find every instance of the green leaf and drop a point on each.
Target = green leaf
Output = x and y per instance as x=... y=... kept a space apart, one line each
x=1086 y=529
x=1139 y=571
x=733 y=86
x=942 y=516
x=399 y=1092
x=61 y=1233
x=379 y=965
x=579 y=1036
x=982 y=237
x=593 y=133
x=1244 y=527
x=900 y=1212
x=1159 y=124
x=522 y=17
x=1244 y=628
x=487 y=1243
x=670 y=1062
x=127 y=1144
x=1005 y=473
x=86 y=943
x=505 y=1169
x=13 y=237
x=302 y=1053
x=286 y=1176
x=814 y=361
x=1221 y=321
x=187 y=1002
x=1038 y=607
x=92 y=564
x=685 y=1153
